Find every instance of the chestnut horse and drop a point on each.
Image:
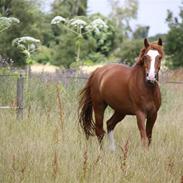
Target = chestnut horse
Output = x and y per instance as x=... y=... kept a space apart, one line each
x=127 y=90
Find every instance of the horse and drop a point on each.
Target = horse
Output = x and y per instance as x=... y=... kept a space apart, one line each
x=128 y=91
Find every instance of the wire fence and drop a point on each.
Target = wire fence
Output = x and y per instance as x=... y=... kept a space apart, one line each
x=19 y=93
x=63 y=78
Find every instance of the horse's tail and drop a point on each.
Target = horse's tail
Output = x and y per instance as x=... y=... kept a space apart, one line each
x=86 y=110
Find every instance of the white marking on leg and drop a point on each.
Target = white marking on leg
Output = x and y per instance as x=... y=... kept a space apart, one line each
x=153 y=54
x=112 y=145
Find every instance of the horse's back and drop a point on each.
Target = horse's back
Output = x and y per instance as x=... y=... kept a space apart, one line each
x=110 y=84
x=113 y=73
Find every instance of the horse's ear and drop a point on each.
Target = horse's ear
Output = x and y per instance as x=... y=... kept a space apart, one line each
x=160 y=42
x=146 y=43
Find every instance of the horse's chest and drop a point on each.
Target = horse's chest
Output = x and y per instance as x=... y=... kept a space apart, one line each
x=148 y=102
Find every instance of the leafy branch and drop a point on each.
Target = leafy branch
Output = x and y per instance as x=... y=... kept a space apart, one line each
x=80 y=28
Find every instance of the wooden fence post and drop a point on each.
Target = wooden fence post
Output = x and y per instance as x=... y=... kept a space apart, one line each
x=20 y=91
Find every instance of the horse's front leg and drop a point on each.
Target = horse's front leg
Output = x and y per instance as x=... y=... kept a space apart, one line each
x=151 y=118
x=141 y=117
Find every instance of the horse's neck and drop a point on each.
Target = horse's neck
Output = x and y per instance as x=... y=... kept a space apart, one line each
x=139 y=78
x=139 y=74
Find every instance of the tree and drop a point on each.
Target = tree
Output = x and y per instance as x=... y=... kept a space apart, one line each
x=129 y=51
x=91 y=33
x=174 y=40
x=123 y=13
x=69 y=8
x=27 y=11
x=62 y=42
x=141 y=32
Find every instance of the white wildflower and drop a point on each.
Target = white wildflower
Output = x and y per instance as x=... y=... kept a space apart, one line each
x=58 y=19
x=97 y=25
x=6 y=22
x=32 y=46
x=78 y=23
x=9 y=20
x=26 y=44
x=27 y=53
x=14 y=20
x=25 y=40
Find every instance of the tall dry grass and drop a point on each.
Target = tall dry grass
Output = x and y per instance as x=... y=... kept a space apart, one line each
x=48 y=146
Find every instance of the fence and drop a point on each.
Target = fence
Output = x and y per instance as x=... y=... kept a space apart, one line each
x=19 y=97
x=20 y=90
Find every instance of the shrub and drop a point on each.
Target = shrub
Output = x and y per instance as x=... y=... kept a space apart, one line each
x=128 y=51
x=173 y=47
x=44 y=55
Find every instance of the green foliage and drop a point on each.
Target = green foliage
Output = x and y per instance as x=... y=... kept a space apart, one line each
x=157 y=36
x=129 y=50
x=141 y=32
x=60 y=46
x=174 y=40
x=173 y=47
x=69 y=8
x=31 y=19
x=123 y=13
x=105 y=39
x=95 y=57
x=44 y=55
x=91 y=43
x=64 y=43
x=64 y=50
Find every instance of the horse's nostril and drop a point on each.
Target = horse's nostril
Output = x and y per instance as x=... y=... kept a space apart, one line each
x=156 y=76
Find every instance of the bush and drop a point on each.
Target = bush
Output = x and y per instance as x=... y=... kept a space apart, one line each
x=44 y=55
x=173 y=47
x=94 y=45
x=128 y=51
x=96 y=57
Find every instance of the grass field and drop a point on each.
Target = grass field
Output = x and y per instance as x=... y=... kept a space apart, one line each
x=47 y=146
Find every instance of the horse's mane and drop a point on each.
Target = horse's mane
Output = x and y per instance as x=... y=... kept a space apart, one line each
x=144 y=50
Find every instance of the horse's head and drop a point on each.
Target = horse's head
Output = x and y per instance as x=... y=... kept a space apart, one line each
x=150 y=58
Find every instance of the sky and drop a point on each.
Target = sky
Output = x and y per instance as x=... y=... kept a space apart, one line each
x=150 y=12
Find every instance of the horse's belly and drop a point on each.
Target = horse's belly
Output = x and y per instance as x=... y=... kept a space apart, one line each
x=122 y=107
x=119 y=103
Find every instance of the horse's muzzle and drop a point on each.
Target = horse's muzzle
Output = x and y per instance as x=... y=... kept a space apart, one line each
x=152 y=80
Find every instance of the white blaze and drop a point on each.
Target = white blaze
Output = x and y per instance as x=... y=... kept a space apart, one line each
x=112 y=146
x=153 y=54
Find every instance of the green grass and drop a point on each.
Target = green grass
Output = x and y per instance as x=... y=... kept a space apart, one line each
x=47 y=146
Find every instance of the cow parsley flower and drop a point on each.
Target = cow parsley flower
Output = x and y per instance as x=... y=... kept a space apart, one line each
x=26 y=44
x=97 y=25
x=14 y=20
x=6 y=22
x=25 y=40
x=78 y=23
x=58 y=19
x=9 y=20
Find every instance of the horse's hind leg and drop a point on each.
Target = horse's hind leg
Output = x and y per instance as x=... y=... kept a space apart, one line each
x=111 y=123
x=99 y=109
